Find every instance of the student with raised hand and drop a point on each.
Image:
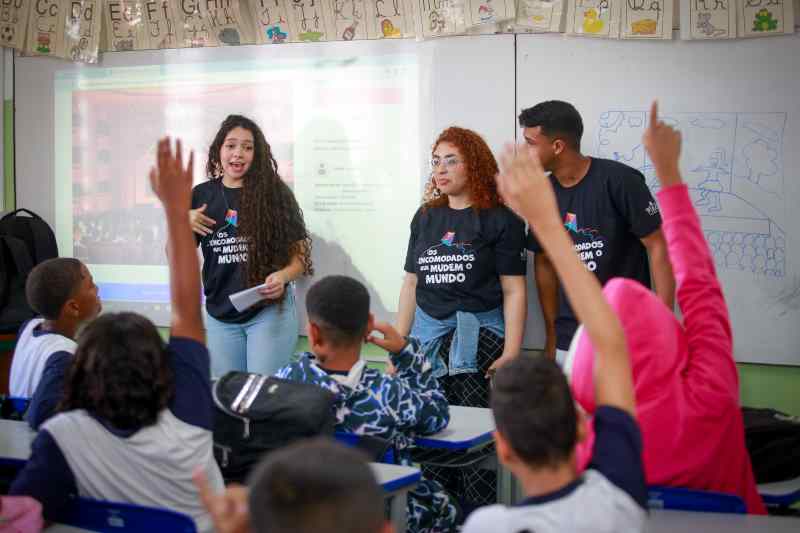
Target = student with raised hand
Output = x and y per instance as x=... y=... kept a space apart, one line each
x=313 y=486
x=136 y=417
x=687 y=385
x=538 y=426
x=63 y=293
x=396 y=406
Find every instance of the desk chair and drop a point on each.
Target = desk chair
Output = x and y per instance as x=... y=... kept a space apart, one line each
x=9 y=469
x=694 y=500
x=96 y=515
x=782 y=494
x=13 y=407
x=378 y=449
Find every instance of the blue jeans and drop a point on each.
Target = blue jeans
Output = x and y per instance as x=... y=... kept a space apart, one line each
x=464 y=347
x=263 y=344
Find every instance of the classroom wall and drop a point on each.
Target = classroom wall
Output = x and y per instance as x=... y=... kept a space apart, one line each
x=760 y=385
x=7 y=153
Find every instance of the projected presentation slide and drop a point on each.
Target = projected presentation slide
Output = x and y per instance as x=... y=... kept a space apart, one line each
x=344 y=133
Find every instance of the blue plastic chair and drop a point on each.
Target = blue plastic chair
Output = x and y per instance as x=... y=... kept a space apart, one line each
x=368 y=443
x=694 y=500
x=20 y=404
x=14 y=407
x=782 y=494
x=97 y=515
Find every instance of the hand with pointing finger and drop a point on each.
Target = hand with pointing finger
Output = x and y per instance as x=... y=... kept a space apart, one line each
x=663 y=144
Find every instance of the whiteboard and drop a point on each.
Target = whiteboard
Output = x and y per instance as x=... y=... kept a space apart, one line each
x=737 y=104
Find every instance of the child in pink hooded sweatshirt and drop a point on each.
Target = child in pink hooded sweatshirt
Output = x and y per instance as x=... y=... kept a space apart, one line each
x=685 y=378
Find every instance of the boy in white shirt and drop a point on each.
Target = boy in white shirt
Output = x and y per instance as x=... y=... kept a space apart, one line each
x=62 y=291
x=538 y=426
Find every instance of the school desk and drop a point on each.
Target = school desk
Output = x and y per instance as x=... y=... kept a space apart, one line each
x=469 y=431
x=685 y=521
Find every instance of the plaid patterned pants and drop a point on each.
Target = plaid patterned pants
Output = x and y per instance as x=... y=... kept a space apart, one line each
x=470 y=485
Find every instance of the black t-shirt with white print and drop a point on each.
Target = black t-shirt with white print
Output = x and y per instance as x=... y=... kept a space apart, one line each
x=606 y=214
x=459 y=255
x=224 y=252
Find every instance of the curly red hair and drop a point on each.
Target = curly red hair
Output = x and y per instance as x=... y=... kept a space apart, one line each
x=481 y=168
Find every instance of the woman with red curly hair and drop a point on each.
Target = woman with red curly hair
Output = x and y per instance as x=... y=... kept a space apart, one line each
x=464 y=294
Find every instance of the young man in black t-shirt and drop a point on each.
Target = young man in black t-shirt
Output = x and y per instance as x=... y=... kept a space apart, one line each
x=608 y=210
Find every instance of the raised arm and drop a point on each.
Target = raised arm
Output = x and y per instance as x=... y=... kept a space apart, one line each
x=660 y=267
x=172 y=183
x=711 y=367
x=525 y=187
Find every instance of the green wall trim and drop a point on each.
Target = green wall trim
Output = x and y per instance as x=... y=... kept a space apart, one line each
x=8 y=156
x=772 y=386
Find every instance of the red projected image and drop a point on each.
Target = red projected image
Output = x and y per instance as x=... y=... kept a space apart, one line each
x=116 y=218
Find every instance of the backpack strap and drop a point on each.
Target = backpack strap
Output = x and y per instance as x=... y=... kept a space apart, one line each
x=36 y=232
x=44 y=242
x=5 y=273
x=20 y=257
x=13 y=254
x=20 y=210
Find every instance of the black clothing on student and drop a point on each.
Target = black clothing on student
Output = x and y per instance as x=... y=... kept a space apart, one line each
x=606 y=214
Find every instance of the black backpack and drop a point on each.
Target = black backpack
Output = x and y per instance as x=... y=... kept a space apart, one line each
x=773 y=442
x=25 y=241
x=33 y=231
x=15 y=265
x=255 y=414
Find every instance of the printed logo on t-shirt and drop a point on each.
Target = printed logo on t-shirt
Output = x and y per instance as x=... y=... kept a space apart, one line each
x=232 y=217
x=447 y=262
x=225 y=244
x=652 y=208
x=589 y=243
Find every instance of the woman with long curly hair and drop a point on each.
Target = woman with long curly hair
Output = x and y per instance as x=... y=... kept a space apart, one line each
x=464 y=295
x=251 y=232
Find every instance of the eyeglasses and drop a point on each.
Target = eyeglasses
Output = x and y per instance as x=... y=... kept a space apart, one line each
x=449 y=161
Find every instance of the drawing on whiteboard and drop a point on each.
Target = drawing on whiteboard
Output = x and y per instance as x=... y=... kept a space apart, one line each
x=733 y=165
x=761 y=154
x=710 y=188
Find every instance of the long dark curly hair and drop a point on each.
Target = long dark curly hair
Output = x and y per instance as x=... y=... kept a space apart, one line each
x=270 y=219
x=481 y=169
x=120 y=372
